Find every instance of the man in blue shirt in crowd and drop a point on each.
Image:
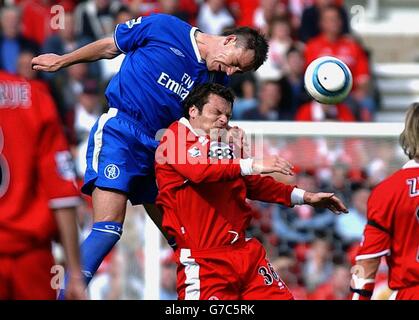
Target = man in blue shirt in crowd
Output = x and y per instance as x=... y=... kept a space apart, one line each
x=165 y=59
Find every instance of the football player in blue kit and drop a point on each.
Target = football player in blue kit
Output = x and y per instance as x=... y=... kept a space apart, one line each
x=165 y=58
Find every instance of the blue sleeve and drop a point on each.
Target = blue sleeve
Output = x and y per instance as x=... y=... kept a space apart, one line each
x=134 y=33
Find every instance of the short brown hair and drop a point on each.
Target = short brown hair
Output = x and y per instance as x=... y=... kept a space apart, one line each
x=199 y=95
x=250 y=39
x=409 y=138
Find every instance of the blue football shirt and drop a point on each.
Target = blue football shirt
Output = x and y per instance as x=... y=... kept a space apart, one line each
x=161 y=67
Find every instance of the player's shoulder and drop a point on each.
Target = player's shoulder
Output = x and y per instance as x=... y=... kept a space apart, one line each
x=166 y=19
x=389 y=184
x=174 y=125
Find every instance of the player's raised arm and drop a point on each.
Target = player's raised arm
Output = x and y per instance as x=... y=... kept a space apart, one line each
x=101 y=49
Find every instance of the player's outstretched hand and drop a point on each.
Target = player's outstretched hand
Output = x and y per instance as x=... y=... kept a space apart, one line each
x=325 y=200
x=273 y=164
x=48 y=62
x=75 y=289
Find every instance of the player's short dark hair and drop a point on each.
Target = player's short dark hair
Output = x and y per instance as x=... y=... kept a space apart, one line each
x=251 y=39
x=409 y=138
x=199 y=95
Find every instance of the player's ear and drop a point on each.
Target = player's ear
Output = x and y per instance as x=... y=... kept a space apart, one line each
x=231 y=38
x=193 y=112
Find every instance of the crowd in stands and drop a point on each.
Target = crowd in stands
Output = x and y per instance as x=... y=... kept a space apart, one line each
x=311 y=250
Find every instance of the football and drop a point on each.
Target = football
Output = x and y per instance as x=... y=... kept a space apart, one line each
x=328 y=80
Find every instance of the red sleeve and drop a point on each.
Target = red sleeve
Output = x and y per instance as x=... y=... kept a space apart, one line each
x=266 y=188
x=190 y=158
x=57 y=174
x=376 y=241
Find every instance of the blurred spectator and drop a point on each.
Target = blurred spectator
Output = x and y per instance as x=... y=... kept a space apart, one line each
x=332 y=42
x=296 y=8
x=24 y=69
x=280 y=41
x=315 y=111
x=246 y=94
x=310 y=28
x=95 y=18
x=109 y=67
x=287 y=268
x=213 y=17
x=12 y=42
x=82 y=118
x=338 y=181
x=311 y=221
x=283 y=224
x=318 y=266
x=243 y=11
x=295 y=94
x=67 y=87
x=265 y=13
x=87 y=110
x=350 y=227
x=173 y=8
x=168 y=281
x=36 y=20
x=64 y=41
x=337 y=287
x=108 y=284
x=141 y=7
x=270 y=96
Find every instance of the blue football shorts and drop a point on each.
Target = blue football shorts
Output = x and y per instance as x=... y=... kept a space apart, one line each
x=120 y=156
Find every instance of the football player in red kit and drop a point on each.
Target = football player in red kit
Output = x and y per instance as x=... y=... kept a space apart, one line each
x=203 y=191
x=36 y=177
x=393 y=225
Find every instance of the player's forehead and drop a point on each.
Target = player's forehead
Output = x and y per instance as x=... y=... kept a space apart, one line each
x=217 y=103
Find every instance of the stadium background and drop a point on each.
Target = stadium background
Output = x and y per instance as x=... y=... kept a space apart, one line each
x=312 y=250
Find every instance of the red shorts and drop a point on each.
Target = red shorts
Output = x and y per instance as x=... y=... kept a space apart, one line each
x=27 y=276
x=411 y=293
x=237 y=272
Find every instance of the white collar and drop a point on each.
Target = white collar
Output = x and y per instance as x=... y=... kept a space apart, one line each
x=195 y=45
x=411 y=164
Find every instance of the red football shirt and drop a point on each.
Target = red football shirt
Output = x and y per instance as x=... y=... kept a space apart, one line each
x=393 y=226
x=204 y=200
x=345 y=48
x=36 y=172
